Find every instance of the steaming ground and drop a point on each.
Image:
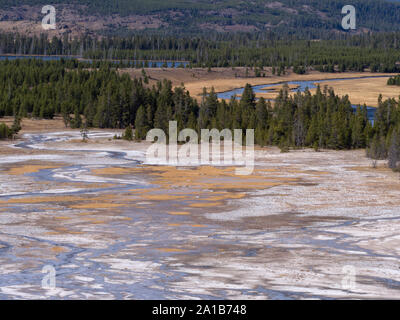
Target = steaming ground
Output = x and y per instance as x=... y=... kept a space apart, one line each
x=115 y=228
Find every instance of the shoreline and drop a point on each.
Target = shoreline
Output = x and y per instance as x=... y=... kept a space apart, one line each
x=315 y=81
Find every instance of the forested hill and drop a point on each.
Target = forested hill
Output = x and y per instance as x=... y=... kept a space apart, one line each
x=199 y=16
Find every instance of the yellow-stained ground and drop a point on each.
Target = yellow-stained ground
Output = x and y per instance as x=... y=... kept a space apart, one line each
x=179 y=213
x=169 y=250
x=29 y=169
x=216 y=221
x=102 y=205
x=172 y=184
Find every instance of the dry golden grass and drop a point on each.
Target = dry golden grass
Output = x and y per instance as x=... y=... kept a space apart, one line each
x=279 y=87
x=178 y=76
x=365 y=90
x=34 y=125
x=225 y=79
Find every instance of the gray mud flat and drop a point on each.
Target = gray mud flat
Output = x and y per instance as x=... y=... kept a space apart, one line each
x=329 y=230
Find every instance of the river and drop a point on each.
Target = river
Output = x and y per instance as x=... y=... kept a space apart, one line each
x=151 y=64
x=301 y=86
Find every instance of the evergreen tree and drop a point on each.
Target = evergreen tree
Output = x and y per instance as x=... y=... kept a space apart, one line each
x=16 y=127
x=141 y=127
x=128 y=134
x=5 y=132
x=77 y=121
x=65 y=114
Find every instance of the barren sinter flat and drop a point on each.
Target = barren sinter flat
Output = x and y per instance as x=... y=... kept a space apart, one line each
x=117 y=228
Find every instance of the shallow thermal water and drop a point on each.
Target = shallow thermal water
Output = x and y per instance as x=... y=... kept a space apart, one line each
x=291 y=241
